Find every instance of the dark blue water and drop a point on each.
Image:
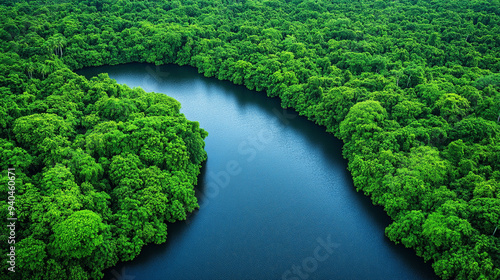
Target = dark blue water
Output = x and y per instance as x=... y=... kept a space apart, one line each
x=276 y=199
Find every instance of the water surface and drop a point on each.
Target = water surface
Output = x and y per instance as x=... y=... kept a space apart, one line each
x=276 y=199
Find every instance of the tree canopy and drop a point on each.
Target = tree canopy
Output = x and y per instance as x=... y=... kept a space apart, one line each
x=411 y=87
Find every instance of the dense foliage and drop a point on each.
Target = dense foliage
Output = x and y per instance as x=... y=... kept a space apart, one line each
x=410 y=86
x=100 y=168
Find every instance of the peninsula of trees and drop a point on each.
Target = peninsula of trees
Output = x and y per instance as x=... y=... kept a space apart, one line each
x=412 y=87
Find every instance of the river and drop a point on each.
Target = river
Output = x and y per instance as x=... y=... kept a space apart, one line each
x=276 y=200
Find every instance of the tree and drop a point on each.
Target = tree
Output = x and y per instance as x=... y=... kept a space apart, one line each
x=363 y=120
x=32 y=130
x=407 y=229
x=407 y=111
x=453 y=107
x=411 y=88
x=78 y=235
x=32 y=254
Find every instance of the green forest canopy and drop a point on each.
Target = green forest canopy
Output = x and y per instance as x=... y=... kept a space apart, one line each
x=410 y=86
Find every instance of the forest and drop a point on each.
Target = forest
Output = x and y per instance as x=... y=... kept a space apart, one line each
x=412 y=88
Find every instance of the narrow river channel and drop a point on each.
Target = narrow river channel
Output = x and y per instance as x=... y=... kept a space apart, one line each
x=277 y=201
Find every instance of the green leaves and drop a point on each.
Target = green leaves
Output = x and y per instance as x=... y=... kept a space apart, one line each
x=485 y=81
x=411 y=88
x=32 y=254
x=485 y=213
x=116 y=109
x=32 y=130
x=445 y=232
x=452 y=107
x=407 y=229
x=407 y=111
x=363 y=120
x=78 y=235
x=106 y=168
x=427 y=165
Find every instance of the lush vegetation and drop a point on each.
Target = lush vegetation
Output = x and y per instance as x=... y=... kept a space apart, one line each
x=410 y=86
x=100 y=168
